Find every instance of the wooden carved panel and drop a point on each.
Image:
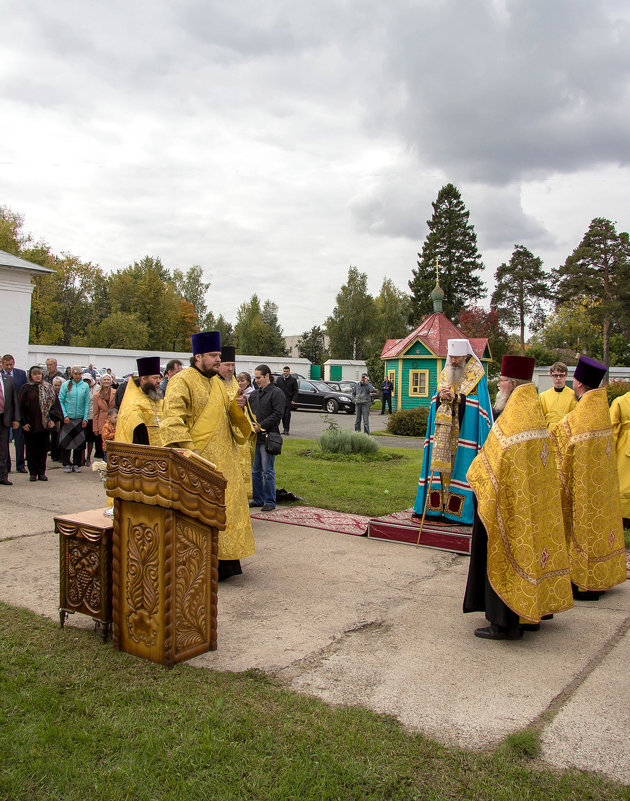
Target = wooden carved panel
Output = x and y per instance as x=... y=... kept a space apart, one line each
x=192 y=586
x=83 y=581
x=142 y=589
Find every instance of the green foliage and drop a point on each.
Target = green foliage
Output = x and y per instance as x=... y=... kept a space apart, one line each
x=311 y=345
x=570 y=327
x=342 y=441
x=257 y=331
x=409 y=422
x=349 y=326
x=616 y=389
x=542 y=355
x=521 y=287
x=475 y=322
x=191 y=288
x=12 y=238
x=598 y=272
x=453 y=240
x=119 y=330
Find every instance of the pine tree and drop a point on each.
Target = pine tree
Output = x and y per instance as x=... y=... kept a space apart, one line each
x=598 y=271
x=453 y=241
x=521 y=287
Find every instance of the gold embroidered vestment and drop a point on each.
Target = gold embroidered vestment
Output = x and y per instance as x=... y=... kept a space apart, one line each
x=515 y=480
x=590 y=494
x=138 y=408
x=199 y=415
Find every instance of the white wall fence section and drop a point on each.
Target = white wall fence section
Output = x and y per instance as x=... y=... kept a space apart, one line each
x=122 y=362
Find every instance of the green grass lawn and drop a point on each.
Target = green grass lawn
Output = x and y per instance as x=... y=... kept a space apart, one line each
x=367 y=488
x=79 y=721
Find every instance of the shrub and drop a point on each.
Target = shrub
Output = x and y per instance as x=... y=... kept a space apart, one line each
x=409 y=422
x=341 y=441
x=617 y=388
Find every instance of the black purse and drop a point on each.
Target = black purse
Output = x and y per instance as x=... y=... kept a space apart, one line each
x=273 y=443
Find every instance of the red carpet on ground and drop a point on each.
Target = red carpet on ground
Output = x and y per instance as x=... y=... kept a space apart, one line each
x=313 y=517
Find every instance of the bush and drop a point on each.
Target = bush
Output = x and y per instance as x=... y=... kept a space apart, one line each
x=617 y=388
x=409 y=422
x=341 y=441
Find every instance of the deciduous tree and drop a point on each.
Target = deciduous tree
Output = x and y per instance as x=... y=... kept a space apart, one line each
x=312 y=345
x=351 y=322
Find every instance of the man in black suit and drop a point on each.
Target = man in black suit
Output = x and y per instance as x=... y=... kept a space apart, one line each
x=289 y=385
x=19 y=379
x=9 y=419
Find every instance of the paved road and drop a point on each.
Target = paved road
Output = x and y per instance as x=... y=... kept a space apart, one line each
x=309 y=425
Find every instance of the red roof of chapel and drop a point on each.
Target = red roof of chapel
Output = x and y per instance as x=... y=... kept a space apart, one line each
x=433 y=332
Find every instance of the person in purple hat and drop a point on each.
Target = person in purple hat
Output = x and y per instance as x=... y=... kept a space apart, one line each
x=591 y=506
x=201 y=417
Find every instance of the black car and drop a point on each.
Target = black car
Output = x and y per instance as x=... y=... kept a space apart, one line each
x=318 y=395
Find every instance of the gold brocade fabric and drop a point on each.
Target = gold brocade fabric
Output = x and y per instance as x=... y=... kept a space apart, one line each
x=245 y=449
x=137 y=408
x=515 y=479
x=556 y=405
x=189 y=396
x=446 y=432
x=620 y=418
x=590 y=494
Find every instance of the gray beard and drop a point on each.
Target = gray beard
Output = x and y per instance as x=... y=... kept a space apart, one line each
x=154 y=394
x=455 y=375
x=502 y=398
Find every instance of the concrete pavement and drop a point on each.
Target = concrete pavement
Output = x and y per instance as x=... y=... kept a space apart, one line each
x=357 y=621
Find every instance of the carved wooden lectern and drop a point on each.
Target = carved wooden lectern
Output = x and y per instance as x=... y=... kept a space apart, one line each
x=168 y=509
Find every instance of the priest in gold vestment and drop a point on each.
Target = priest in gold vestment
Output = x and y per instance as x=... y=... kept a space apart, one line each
x=620 y=417
x=591 y=505
x=141 y=408
x=519 y=567
x=200 y=415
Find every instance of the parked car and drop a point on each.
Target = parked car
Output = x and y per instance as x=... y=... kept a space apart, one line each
x=347 y=386
x=318 y=395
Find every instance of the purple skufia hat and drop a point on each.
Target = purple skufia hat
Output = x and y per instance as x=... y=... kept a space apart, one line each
x=206 y=342
x=589 y=372
x=148 y=365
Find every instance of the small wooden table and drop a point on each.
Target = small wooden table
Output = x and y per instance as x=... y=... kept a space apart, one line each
x=85 y=566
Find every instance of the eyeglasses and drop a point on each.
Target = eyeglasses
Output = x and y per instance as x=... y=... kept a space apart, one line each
x=558 y=375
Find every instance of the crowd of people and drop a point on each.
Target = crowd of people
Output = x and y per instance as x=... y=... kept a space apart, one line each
x=544 y=480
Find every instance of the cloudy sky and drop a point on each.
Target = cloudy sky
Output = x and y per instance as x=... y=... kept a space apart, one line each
x=277 y=143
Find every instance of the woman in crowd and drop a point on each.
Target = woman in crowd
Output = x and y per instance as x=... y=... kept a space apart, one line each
x=103 y=401
x=55 y=455
x=74 y=397
x=39 y=410
x=89 y=379
x=244 y=381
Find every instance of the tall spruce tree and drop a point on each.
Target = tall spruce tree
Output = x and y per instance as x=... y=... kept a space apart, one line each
x=598 y=271
x=521 y=287
x=451 y=239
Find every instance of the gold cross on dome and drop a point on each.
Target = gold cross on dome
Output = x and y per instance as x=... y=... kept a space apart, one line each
x=437 y=270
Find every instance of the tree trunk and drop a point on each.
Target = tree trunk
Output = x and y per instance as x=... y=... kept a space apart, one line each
x=606 y=338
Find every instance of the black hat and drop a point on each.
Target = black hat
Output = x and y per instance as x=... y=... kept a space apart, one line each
x=589 y=372
x=148 y=365
x=206 y=342
x=228 y=353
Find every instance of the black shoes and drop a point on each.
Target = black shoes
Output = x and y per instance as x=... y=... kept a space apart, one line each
x=254 y=505
x=586 y=595
x=286 y=433
x=32 y=478
x=43 y=478
x=530 y=627
x=496 y=632
x=22 y=470
x=7 y=482
x=267 y=508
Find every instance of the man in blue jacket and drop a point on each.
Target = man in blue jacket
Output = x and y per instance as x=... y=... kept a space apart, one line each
x=19 y=379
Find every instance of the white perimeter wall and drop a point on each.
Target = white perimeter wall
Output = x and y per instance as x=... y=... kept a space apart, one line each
x=124 y=361
x=15 y=291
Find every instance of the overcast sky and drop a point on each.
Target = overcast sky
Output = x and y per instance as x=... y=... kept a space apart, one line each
x=277 y=143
